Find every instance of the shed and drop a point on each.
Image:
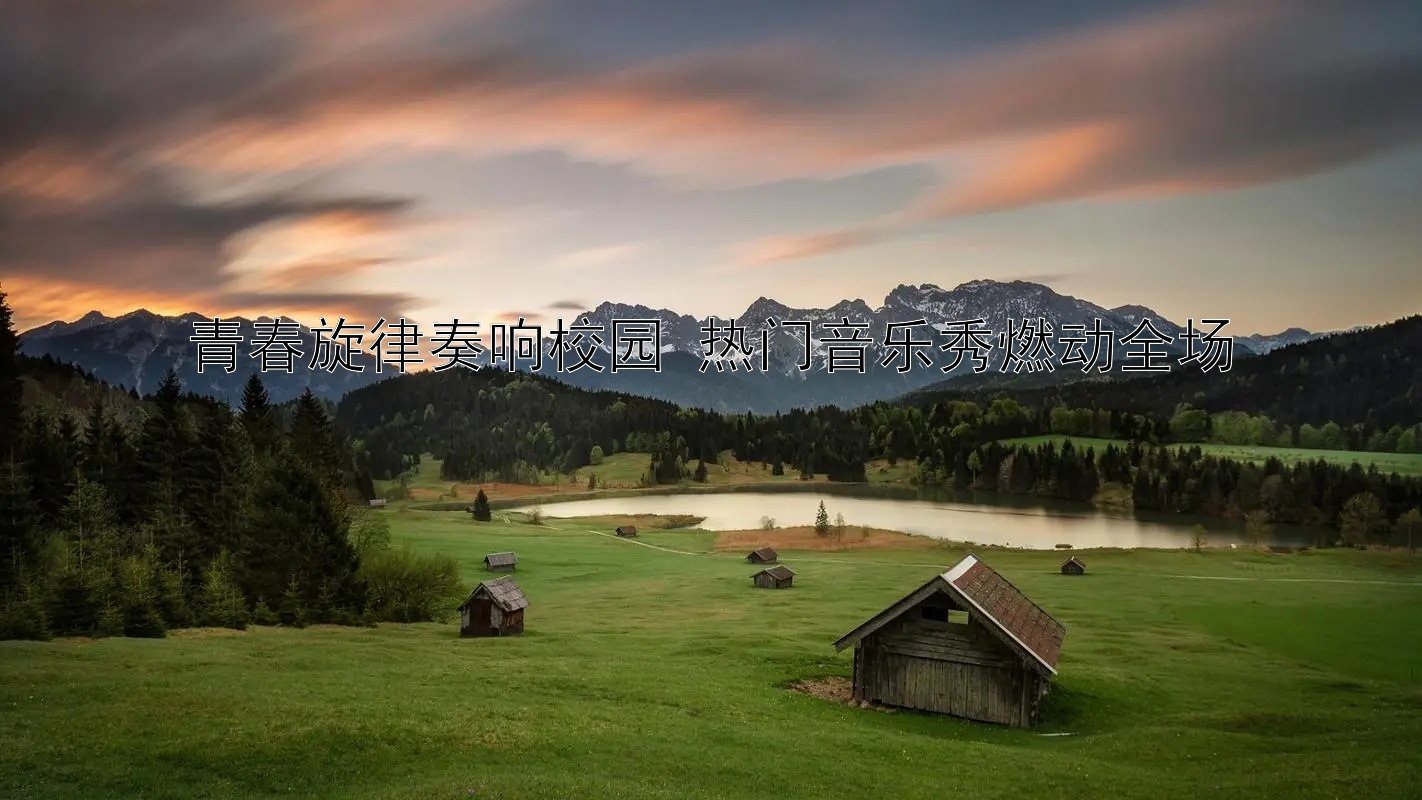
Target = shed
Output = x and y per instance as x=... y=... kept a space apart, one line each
x=776 y=577
x=626 y=530
x=966 y=643
x=1073 y=566
x=764 y=555
x=378 y=502
x=500 y=562
x=494 y=608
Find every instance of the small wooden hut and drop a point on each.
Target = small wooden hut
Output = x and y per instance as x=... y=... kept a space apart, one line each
x=378 y=502
x=626 y=530
x=1072 y=566
x=966 y=643
x=494 y=608
x=763 y=555
x=776 y=577
x=500 y=562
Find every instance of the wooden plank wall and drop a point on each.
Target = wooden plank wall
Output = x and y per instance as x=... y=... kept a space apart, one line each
x=946 y=668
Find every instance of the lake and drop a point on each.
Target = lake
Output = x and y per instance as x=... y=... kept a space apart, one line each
x=1001 y=523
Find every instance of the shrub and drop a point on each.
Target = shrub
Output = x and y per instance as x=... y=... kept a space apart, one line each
x=407 y=587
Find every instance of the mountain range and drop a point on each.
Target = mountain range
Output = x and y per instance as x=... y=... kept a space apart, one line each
x=136 y=349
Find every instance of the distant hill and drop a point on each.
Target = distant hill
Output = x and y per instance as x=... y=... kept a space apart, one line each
x=1369 y=374
x=56 y=386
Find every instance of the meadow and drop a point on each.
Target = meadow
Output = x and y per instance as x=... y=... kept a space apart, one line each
x=1401 y=463
x=652 y=669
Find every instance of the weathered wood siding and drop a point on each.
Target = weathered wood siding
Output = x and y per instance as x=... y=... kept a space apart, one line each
x=768 y=581
x=483 y=618
x=946 y=668
x=513 y=623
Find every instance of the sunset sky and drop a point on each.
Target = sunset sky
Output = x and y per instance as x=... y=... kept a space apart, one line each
x=479 y=158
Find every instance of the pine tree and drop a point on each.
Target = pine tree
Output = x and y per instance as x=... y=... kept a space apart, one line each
x=314 y=441
x=10 y=388
x=165 y=443
x=295 y=526
x=700 y=475
x=258 y=417
x=481 y=510
x=822 y=523
x=221 y=603
x=19 y=528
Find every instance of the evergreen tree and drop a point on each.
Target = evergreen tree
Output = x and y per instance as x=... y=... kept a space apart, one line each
x=221 y=603
x=258 y=417
x=296 y=531
x=822 y=523
x=19 y=528
x=10 y=388
x=481 y=510
x=165 y=444
x=314 y=441
x=700 y=475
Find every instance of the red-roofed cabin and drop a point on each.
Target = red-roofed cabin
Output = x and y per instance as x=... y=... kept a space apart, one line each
x=967 y=643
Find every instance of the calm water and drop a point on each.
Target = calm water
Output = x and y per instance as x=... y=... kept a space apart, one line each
x=977 y=522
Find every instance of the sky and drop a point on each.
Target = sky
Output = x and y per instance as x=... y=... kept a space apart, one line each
x=488 y=159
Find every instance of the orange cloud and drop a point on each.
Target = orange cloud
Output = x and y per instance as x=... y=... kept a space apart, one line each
x=1058 y=165
x=36 y=301
x=790 y=248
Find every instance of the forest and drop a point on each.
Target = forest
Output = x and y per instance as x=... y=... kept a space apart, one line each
x=1362 y=380
x=138 y=515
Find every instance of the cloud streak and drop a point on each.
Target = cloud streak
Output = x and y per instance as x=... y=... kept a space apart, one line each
x=113 y=114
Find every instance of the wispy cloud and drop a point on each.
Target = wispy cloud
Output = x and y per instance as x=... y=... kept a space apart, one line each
x=600 y=257
x=115 y=111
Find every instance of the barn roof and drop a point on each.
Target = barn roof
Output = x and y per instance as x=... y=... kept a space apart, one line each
x=500 y=560
x=1019 y=622
x=503 y=591
x=779 y=572
x=1073 y=559
x=767 y=553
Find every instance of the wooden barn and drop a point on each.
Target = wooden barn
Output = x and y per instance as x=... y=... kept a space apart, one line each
x=777 y=577
x=966 y=643
x=764 y=555
x=626 y=530
x=1073 y=566
x=494 y=608
x=500 y=562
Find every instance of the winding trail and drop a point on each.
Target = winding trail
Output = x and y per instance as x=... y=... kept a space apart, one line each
x=815 y=560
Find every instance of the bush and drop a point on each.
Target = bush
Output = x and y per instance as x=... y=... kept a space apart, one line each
x=24 y=618
x=407 y=587
x=142 y=621
x=264 y=615
x=767 y=523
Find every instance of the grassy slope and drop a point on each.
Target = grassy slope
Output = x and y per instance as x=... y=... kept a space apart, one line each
x=646 y=673
x=1401 y=463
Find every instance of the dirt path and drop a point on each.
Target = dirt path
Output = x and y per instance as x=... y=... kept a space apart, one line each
x=814 y=560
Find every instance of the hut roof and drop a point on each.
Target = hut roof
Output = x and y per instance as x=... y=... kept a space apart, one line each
x=779 y=572
x=626 y=528
x=503 y=591
x=1073 y=559
x=766 y=553
x=500 y=560
x=1019 y=622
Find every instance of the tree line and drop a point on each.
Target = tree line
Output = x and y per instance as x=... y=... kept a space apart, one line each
x=513 y=427
x=184 y=511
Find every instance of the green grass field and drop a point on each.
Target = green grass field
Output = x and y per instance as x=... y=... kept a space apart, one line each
x=1401 y=463
x=652 y=674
